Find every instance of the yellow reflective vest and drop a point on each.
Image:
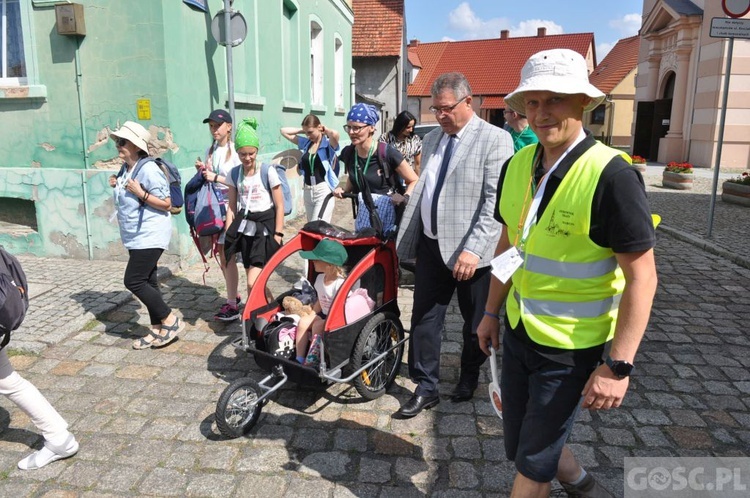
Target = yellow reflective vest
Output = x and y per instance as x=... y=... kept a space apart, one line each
x=568 y=290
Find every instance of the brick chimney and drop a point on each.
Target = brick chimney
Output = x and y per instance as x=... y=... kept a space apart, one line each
x=540 y=32
x=413 y=42
x=504 y=34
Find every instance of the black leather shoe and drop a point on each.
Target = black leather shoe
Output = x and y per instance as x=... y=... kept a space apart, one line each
x=464 y=390
x=416 y=404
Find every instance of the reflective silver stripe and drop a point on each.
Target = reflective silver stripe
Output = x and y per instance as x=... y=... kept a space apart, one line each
x=553 y=268
x=591 y=309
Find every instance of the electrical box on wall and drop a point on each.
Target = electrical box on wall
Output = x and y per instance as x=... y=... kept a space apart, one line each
x=69 y=19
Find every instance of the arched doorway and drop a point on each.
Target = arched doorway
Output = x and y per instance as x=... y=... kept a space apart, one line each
x=653 y=119
x=662 y=114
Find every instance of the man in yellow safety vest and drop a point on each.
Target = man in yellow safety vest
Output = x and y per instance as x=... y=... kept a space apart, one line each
x=575 y=268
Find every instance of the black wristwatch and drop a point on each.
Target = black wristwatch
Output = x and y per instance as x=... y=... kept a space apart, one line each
x=279 y=234
x=620 y=368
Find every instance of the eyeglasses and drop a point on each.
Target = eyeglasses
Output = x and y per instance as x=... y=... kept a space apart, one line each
x=447 y=108
x=354 y=129
x=121 y=142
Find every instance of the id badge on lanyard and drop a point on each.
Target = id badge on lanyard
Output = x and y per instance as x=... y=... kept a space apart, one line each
x=506 y=264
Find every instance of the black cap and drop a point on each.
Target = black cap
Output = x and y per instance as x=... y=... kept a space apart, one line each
x=219 y=116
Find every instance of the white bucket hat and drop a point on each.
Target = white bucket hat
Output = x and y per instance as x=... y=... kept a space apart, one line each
x=559 y=71
x=134 y=133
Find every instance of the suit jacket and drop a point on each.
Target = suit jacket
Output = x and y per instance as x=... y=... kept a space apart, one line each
x=467 y=201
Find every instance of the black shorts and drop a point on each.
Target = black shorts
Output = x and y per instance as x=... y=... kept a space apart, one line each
x=256 y=250
x=541 y=399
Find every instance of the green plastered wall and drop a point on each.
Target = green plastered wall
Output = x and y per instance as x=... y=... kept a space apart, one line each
x=143 y=49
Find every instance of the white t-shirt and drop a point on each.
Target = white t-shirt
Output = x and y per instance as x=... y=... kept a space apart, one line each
x=326 y=293
x=252 y=195
x=221 y=164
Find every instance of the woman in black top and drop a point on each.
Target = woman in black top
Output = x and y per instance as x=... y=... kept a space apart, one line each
x=374 y=166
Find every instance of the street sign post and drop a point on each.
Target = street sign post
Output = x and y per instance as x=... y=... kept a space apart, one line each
x=726 y=28
x=229 y=29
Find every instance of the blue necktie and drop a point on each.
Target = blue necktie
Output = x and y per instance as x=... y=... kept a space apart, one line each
x=439 y=183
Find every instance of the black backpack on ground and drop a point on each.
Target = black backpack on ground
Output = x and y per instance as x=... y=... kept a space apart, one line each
x=14 y=295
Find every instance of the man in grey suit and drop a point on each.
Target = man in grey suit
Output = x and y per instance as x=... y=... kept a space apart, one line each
x=449 y=227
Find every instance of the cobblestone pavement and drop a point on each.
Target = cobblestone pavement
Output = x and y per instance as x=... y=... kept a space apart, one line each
x=145 y=418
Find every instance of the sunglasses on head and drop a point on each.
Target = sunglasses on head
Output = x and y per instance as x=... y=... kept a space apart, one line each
x=121 y=142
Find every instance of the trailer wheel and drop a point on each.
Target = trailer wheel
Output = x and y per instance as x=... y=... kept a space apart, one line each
x=238 y=409
x=379 y=335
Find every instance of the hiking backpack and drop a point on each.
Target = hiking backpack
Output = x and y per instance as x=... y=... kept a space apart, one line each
x=173 y=178
x=205 y=215
x=281 y=171
x=209 y=211
x=14 y=295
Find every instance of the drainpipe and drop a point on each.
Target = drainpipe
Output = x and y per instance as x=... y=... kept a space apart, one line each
x=610 y=118
x=84 y=149
x=353 y=87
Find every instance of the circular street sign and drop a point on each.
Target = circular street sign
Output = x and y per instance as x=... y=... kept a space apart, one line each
x=735 y=8
x=237 y=28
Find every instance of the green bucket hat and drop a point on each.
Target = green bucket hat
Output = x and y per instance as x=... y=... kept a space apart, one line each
x=246 y=135
x=328 y=251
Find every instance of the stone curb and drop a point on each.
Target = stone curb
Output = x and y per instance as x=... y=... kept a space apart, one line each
x=706 y=245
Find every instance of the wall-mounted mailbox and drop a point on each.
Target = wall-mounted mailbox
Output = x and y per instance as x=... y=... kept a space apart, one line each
x=69 y=19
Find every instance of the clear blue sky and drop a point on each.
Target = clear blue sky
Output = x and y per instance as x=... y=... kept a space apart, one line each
x=438 y=20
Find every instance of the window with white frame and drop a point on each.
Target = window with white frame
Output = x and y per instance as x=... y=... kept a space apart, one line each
x=316 y=63
x=12 y=57
x=290 y=49
x=339 y=72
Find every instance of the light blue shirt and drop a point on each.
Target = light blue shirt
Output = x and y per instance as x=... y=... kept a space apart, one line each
x=143 y=227
x=327 y=155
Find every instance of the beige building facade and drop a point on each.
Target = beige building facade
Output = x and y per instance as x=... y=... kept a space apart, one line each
x=611 y=121
x=679 y=87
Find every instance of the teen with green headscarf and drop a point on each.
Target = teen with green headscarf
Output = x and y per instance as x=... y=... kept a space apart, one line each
x=255 y=224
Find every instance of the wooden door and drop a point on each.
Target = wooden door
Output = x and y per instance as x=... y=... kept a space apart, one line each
x=643 y=122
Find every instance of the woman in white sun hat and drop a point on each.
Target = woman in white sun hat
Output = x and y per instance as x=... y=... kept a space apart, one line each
x=141 y=193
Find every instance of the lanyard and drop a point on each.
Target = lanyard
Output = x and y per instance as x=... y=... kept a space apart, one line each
x=311 y=158
x=367 y=163
x=242 y=184
x=538 y=193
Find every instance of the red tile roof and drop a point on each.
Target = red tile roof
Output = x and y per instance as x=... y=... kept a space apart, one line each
x=618 y=63
x=492 y=102
x=378 y=29
x=413 y=57
x=493 y=66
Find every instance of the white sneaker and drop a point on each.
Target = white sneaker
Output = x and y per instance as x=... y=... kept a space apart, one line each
x=49 y=453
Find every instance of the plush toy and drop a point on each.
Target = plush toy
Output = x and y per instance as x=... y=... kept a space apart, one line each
x=293 y=306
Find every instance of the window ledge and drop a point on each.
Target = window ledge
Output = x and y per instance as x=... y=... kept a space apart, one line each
x=247 y=99
x=318 y=108
x=48 y=3
x=339 y=111
x=24 y=92
x=288 y=105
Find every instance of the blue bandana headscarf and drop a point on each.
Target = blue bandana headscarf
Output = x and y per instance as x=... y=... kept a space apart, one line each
x=363 y=113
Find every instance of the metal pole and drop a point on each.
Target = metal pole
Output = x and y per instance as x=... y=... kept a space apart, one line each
x=721 y=138
x=228 y=46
